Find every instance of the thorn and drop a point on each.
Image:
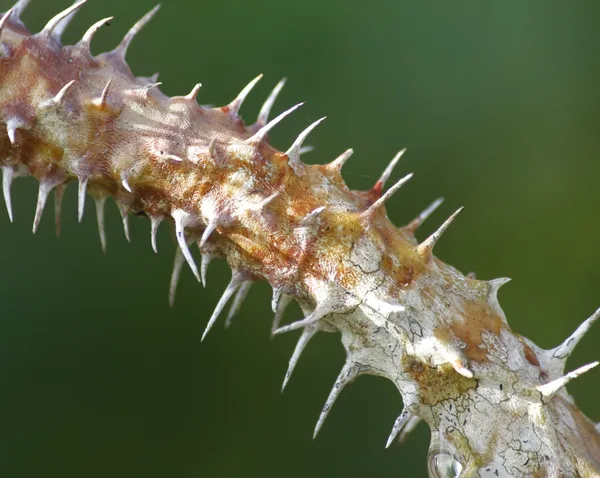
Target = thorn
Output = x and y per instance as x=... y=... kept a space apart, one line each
x=388 y=171
x=236 y=104
x=210 y=227
x=81 y=197
x=399 y=424
x=181 y=217
x=58 y=200
x=277 y=291
x=495 y=284
x=191 y=96
x=86 y=41
x=54 y=22
x=566 y=348
x=423 y=216
x=124 y=210
x=204 y=262
x=60 y=96
x=238 y=300
x=262 y=132
x=305 y=337
x=339 y=162
x=306 y=149
x=388 y=194
x=284 y=301
x=294 y=152
x=212 y=147
x=548 y=390
x=125 y=183
x=347 y=375
x=312 y=318
x=461 y=369
x=20 y=7
x=101 y=102
x=12 y=125
x=145 y=90
x=62 y=26
x=408 y=428
x=235 y=282
x=4 y=19
x=265 y=111
x=8 y=174
x=177 y=265
x=426 y=247
x=311 y=216
x=43 y=192
x=121 y=49
x=154 y=223
x=100 y=203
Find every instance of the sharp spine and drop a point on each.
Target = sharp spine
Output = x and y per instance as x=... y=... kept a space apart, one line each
x=381 y=201
x=260 y=135
x=388 y=171
x=236 y=281
x=49 y=29
x=180 y=218
x=236 y=104
x=265 y=111
x=100 y=203
x=12 y=124
x=284 y=301
x=306 y=149
x=20 y=7
x=426 y=247
x=308 y=333
x=81 y=192
x=58 y=200
x=4 y=19
x=339 y=162
x=312 y=318
x=402 y=420
x=191 y=96
x=177 y=266
x=408 y=428
x=62 y=26
x=8 y=174
x=238 y=300
x=424 y=215
x=293 y=153
x=562 y=352
x=205 y=259
x=154 y=223
x=548 y=390
x=124 y=210
x=86 y=41
x=43 y=192
x=347 y=375
x=121 y=49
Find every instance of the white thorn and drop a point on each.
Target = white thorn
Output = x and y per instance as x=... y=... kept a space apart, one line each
x=424 y=215
x=277 y=291
x=212 y=147
x=312 y=318
x=62 y=26
x=181 y=218
x=58 y=200
x=154 y=223
x=262 y=132
x=20 y=7
x=102 y=100
x=495 y=284
x=388 y=171
x=377 y=204
x=4 y=19
x=305 y=337
x=306 y=149
x=125 y=183
x=460 y=368
x=236 y=104
x=399 y=424
x=294 y=152
x=8 y=174
x=58 y=99
x=12 y=124
x=81 y=197
x=284 y=301
x=210 y=227
x=238 y=300
x=339 y=162
x=346 y=376
x=56 y=20
x=311 y=216
x=426 y=247
x=408 y=428
x=191 y=96
x=265 y=111
x=177 y=266
x=86 y=41
x=144 y=91
x=204 y=262
x=124 y=210
x=229 y=291
x=43 y=192
x=566 y=348
x=100 y=203
x=135 y=29
x=548 y=390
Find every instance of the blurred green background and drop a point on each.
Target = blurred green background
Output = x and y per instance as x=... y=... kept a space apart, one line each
x=498 y=104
